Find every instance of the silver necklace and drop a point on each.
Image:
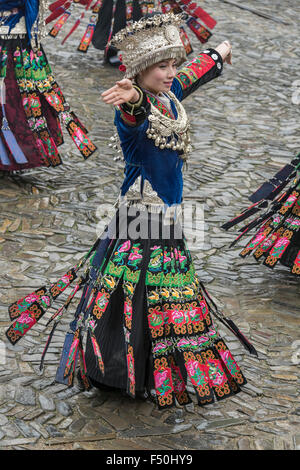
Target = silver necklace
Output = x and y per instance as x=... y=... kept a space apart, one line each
x=170 y=133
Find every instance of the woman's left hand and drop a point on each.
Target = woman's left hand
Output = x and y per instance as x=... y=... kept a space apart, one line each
x=225 y=51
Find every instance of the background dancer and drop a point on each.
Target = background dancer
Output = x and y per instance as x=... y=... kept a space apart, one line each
x=33 y=107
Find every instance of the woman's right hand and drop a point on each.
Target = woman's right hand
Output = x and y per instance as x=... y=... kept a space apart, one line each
x=121 y=93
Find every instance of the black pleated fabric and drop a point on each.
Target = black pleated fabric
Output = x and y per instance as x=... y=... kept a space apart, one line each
x=109 y=331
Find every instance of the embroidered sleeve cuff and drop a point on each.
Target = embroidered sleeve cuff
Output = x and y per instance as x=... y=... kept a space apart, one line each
x=216 y=58
x=203 y=68
x=135 y=114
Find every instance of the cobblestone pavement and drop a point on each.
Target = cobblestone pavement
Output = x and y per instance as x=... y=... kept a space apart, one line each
x=245 y=126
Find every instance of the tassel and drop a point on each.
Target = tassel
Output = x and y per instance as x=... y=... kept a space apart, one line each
x=79 y=123
x=228 y=323
x=234 y=329
x=27 y=311
x=77 y=22
x=59 y=3
x=258 y=221
x=63 y=359
x=88 y=35
x=81 y=140
x=271 y=188
x=111 y=25
x=205 y=17
x=24 y=322
x=200 y=31
x=97 y=6
x=279 y=188
x=97 y=351
x=83 y=369
x=47 y=345
x=59 y=24
x=244 y=215
x=68 y=301
x=72 y=357
x=192 y=9
x=58 y=11
x=188 y=49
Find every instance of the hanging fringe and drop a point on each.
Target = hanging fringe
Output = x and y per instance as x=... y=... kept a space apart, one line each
x=111 y=26
x=255 y=223
x=83 y=369
x=47 y=345
x=192 y=9
x=58 y=315
x=59 y=24
x=268 y=191
x=63 y=359
x=28 y=310
x=254 y=209
x=228 y=323
x=97 y=351
x=78 y=122
x=77 y=22
x=88 y=35
x=244 y=215
x=96 y=7
x=55 y=5
x=81 y=140
x=72 y=358
x=60 y=311
x=270 y=188
x=58 y=11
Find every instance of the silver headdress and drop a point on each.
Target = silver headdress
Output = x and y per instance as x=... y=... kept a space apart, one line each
x=148 y=41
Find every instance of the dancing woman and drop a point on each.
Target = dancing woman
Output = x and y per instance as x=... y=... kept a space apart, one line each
x=147 y=314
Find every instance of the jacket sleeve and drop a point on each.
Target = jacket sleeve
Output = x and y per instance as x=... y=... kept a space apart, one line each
x=135 y=114
x=203 y=68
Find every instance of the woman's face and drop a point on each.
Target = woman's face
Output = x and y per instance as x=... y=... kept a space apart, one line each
x=159 y=77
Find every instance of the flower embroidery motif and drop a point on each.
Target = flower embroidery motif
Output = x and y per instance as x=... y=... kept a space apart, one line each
x=216 y=373
x=229 y=362
x=124 y=247
x=198 y=376
x=155 y=319
x=31 y=298
x=26 y=318
x=46 y=300
x=163 y=382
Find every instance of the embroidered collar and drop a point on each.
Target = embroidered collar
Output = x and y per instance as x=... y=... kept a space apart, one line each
x=154 y=99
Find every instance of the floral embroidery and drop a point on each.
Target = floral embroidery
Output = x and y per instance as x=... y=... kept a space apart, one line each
x=216 y=373
x=101 y=303
x=131 y=370
x=163 y=381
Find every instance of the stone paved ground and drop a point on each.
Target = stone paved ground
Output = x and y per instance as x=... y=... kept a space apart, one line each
x=245 y=126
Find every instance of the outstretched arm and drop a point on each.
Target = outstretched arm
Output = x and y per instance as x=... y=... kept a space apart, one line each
x=130 y=99
x=203 y=68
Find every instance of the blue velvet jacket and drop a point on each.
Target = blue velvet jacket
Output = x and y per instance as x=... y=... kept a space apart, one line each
x=27 y=8
x=162 y=167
